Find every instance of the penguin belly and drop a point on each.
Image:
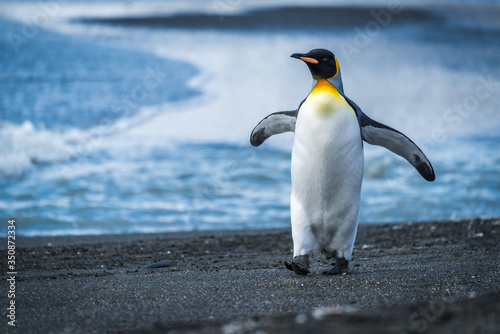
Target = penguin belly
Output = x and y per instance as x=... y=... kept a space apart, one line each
x=327 y=172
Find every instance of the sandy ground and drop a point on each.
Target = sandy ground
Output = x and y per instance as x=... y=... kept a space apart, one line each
x=404 y=278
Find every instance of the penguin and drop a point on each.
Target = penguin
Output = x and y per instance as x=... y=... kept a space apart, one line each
x=327 y=163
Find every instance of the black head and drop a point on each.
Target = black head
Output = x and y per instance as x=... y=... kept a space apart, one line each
x=322 y=63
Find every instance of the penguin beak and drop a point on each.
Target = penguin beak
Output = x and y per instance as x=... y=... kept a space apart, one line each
x=304 y=58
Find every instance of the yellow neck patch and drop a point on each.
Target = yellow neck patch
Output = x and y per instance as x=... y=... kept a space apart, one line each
x=325 y=99
x=325 y=86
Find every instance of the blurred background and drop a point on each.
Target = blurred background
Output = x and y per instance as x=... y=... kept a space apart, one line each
x=135 y=116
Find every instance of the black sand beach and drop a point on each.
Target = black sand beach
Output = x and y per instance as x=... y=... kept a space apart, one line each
x=404 y=278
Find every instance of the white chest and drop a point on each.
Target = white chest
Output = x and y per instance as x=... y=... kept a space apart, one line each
x=326 y=126
x=327 y=155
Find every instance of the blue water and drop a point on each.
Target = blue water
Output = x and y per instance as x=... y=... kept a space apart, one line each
x=121 y=130
x=57 y=81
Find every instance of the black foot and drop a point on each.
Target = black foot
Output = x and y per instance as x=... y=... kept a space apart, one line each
x=299 y=265
x=340 y=268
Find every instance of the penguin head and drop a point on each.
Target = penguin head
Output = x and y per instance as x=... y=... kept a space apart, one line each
x=322 y=63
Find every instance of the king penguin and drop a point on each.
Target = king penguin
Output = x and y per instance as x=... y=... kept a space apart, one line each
x=327 y=163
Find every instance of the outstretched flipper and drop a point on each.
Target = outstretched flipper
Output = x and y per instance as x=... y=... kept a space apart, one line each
x=376 y=133
x=372 y=132
x=273 y=124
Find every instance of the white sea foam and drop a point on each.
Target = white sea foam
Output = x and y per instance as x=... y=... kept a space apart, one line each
x=23 y=145
x=252 y=76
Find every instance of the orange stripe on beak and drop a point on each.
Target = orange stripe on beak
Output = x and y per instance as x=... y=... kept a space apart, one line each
x=309 y=60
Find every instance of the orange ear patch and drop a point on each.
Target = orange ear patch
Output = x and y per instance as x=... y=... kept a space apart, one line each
x=309 y=60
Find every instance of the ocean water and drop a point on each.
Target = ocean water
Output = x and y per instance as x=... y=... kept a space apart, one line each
x=123 y=127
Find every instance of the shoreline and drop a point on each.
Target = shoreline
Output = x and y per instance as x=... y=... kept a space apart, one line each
x=217 y=279
x=278 y=18
x=68 y=240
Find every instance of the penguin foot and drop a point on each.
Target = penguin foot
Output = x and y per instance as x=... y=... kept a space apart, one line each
x=340 y=268
x=299 y=265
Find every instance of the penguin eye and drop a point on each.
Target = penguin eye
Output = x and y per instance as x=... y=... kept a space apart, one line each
x=324 y=59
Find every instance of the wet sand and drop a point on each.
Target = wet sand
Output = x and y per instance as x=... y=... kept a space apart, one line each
x=404 y=278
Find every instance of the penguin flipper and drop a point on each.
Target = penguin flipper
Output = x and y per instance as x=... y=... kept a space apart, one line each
x=379 y=134
x=273 y=124
x=376 y=133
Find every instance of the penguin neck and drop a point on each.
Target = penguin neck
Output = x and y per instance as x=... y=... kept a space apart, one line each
x=324 y=86
x=337 y=82
x=324 y=99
